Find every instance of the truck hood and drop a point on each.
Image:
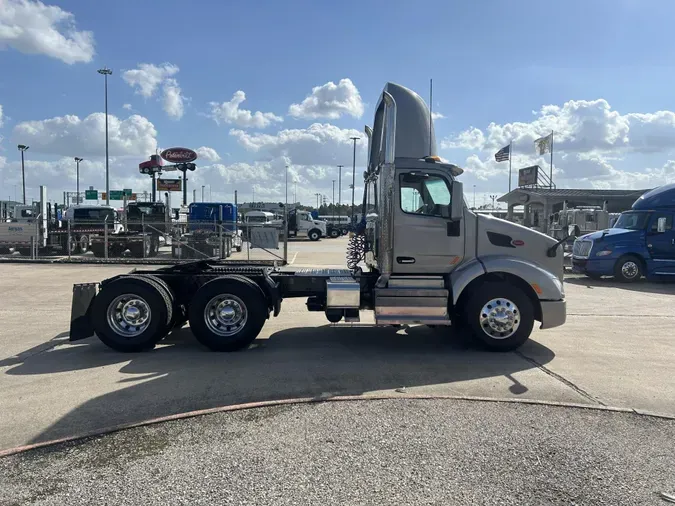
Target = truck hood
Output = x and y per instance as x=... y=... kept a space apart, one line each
x=612 y=234
x=501 y=237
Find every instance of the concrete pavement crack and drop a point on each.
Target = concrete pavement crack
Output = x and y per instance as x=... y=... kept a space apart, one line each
x=560 y=378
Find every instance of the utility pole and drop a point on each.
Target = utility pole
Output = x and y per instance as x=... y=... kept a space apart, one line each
x=77 y=177
x=333 y=201
x=353 y=175
x=22 y=148
x=202 y=193
x=474 y=196
x=286 y=201
x=105 y=72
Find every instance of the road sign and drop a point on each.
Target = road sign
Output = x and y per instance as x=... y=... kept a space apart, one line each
x=169 y=185
x=127 y=192
x=133 y=197
x=91 y=194
x=179 y=155
x=116 y=195
x=104 y=195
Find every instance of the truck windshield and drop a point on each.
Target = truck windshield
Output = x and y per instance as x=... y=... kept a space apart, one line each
x=94 y=214
x=136 y=211
x=632 y=221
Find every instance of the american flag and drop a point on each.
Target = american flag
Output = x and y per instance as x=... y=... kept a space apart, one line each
x=503 y=154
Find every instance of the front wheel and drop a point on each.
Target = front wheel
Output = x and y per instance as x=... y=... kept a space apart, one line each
x=314 y=235
x=628 y=269
x=499 y=316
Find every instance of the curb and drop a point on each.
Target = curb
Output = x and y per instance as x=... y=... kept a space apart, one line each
x=316 y=400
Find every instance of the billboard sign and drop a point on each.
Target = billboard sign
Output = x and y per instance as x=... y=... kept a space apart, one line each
x=169 y=185
x=528 y=176
x=179 y=155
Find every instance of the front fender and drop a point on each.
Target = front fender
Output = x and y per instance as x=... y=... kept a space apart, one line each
x=545 y=284
x=463 y=275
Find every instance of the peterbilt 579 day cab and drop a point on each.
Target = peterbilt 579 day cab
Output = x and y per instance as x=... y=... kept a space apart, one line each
x=419 y=256
x=642 y=242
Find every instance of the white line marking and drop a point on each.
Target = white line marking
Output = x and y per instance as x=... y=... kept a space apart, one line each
x=294 y=257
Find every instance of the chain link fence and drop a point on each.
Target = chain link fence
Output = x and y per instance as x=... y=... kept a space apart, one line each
x=141 y=241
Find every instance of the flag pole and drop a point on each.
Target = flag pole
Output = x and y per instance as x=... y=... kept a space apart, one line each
x=551 y=170
x=510 y=156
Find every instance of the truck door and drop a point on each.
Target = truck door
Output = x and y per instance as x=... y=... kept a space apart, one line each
x=661 y=245
x=425 y=240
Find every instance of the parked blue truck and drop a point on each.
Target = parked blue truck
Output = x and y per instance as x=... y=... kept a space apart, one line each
x=641 y=243
x=208 y=224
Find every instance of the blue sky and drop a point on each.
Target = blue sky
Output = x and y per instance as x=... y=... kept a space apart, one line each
x=491 y=61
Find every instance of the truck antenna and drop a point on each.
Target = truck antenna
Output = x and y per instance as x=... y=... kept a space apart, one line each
x=431 y=107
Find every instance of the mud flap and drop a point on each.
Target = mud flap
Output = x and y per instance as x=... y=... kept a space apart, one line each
x=80 y=320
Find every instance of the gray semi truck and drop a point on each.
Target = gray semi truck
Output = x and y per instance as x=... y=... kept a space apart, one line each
x=418 y=256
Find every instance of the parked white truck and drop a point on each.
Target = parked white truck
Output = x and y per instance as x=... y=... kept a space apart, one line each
x=420 y=257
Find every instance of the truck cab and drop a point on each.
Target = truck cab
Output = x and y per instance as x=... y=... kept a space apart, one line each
x=641 y=243
x=303 y=224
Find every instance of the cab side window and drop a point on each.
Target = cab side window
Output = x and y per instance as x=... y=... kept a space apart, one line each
x=655 y=221
x=423 y=194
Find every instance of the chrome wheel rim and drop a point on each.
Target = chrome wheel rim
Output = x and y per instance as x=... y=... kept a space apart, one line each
x=499 y=318
x=129 y=315
x=629 y=269
x=225 y=315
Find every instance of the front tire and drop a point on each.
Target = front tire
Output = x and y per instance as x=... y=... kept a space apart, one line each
x=131 y=314
x=499 y=316
x=628 y=269
x=227 y=314
x=314 y=235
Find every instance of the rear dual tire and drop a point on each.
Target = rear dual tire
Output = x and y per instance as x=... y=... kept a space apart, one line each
x=228 y=313
x=133 y=313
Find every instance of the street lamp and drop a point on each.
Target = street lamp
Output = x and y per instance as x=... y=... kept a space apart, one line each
x=493 y=197
x=22 y=148
x=203 y=186
x=105 y=72
x=77 y=177
x=339 y=188
x=474 y=196
x=353 y=175
x=333 y=202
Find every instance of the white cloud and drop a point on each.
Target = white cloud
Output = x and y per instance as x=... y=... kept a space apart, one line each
x=330 y=101
x=229 y=112
x=1 y=119
x=437 y=115
x=173 y=99
x=591 y=145
x=472 y=138
x=318 y=144
x=127 y=107
x=71 y=136
x=147 y=78
x=208 y=154
x=32 y=27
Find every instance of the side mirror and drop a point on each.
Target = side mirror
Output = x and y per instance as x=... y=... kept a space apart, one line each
x=661 y=225
x=573 y=231
x=457 y=202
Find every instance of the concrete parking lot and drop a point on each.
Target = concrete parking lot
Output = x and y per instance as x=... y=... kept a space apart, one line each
x=615 y=350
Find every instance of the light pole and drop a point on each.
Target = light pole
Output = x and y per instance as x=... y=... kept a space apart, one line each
x=474 y=196
x=353 y=175
x=22 y=148
x=286 y=202
x=333 y=202
x=105 y=72
x=493 y=197
x=203 y=193
x=339 y=188
x=77 y=177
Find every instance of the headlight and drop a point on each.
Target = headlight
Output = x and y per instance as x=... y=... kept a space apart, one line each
x=603 y=253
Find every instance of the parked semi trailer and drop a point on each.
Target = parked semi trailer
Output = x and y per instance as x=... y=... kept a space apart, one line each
x=641 y=243
x=420 y=256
